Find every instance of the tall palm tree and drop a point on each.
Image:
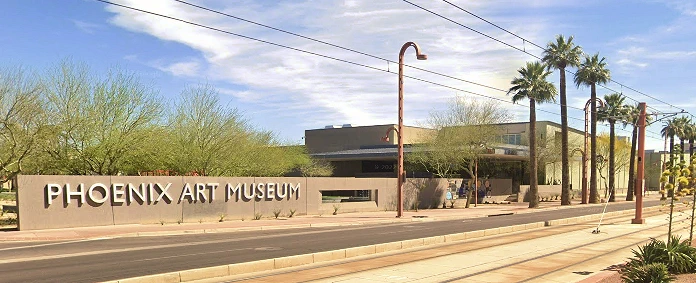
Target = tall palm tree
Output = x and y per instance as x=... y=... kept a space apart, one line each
x=691 y=135
x=681 y=124
x=591 y=72
x=632 y=116
x=614 y=111
x=669 y=131
x=532 y=85
x=559 y=55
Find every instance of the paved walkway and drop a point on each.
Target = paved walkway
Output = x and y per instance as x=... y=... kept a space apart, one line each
x=567 y=253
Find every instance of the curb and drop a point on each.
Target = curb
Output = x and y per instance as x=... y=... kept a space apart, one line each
x=574 y=220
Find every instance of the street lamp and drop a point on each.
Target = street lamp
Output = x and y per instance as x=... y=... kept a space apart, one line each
x=584 y=152
x=399 y=131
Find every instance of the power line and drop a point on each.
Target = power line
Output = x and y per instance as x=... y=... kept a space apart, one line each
x=320 y=55
x=543 y=48
x=351 y=50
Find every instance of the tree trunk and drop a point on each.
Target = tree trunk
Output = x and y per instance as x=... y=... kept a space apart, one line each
x=594 y=194
x=632 y=166
x=565 y=164
x=671 y=163
x=681 y=143
x=612 y=164
x=533 y=181
x=691 y=149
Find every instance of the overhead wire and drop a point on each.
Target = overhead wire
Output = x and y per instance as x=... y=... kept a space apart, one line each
x=543 y=48
x=319 y=55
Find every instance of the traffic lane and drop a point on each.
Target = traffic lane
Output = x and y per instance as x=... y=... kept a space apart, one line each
x=144 y=262
x=66 y=249
x=435 y=227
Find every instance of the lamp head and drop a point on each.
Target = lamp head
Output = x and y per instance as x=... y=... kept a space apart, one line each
x=422 y=57
x=385 y=138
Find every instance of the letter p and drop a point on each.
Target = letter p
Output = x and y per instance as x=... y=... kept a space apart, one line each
x=52 y=192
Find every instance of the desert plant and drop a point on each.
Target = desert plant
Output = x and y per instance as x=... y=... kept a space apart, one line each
x=276 y=213
x=336 y=207
x=678 y=256
x=222 y=217
x=452 y=202
x=654 y=272
x=258 y=215
x=161 y=222
x=292 y=212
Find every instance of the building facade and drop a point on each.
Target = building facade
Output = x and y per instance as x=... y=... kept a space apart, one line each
x=363 y=152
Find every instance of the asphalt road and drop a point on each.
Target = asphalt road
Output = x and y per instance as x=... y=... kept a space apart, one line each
x=110 y=259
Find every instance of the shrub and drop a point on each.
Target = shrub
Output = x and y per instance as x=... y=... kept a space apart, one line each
x=336 y=208
x=276 y=213
x=678 y=256
x=654 y=272
x=257 y=216
x=292 y=212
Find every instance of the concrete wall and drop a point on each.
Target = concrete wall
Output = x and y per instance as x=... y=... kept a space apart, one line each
x=44 y=204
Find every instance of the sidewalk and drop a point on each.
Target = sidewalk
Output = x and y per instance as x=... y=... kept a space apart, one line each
x=342 y=219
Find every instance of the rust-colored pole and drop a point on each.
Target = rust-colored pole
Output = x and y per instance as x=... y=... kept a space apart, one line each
x=640 y=174
x=476 y=183
x=584 y=159
x=399 y=132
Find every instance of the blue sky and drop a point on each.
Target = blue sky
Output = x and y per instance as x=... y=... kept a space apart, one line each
x=649 y=46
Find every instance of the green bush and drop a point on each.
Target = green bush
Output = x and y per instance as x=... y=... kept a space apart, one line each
x=650 y=273
x=677 y=256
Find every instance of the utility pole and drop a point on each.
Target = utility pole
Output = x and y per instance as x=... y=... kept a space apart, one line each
x=640 y=175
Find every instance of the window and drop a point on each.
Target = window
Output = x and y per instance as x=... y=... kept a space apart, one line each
x=515 y=139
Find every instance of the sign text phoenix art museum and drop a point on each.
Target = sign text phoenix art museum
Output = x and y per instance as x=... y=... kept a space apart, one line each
x=153 y=193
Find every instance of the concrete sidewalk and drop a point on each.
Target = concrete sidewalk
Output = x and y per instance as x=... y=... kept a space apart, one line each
x=560 y=254
x=342 y=219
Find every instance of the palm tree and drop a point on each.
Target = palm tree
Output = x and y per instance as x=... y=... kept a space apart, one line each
x=632 y=116
x=691 y=135
x=559 y=55
x=593 y=71
x=669 y=131
x=681 y=125
x=532 y=85
x=613 y=111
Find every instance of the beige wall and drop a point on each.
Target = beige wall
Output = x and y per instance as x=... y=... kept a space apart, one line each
x=336 y=139
x=36 y=213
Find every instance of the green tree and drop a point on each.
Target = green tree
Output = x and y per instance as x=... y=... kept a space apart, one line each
x=532 y=85
x=98 y=124
x=614 y=111
x=463 y=132
x=21 y=120
x=558 y=55
x=207 y=138
x=591 y=72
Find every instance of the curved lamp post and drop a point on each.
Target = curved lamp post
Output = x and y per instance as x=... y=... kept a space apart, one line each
x=584 y=152
x=399 y=132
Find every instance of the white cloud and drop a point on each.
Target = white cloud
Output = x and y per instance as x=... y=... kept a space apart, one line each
x=319 y=91
x=629 y=63
x=87 y=27
x=188 y=69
